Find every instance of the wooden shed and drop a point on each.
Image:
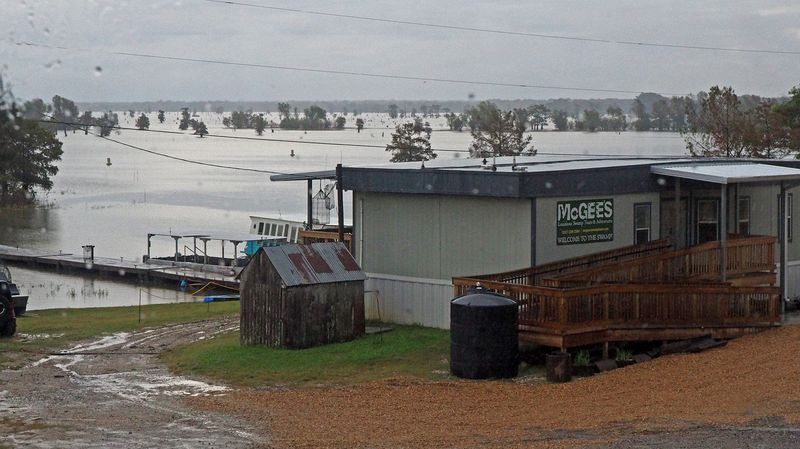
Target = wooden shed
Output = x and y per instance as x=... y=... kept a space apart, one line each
x=299 y=296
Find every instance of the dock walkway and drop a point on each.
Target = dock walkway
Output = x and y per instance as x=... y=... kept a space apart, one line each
x=160 y=270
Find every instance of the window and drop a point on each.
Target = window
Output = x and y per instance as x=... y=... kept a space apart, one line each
x=641 y=223
x=707 y=220
x=743 y=225
x=789 y=208
x=272 y=229
x=260 y=228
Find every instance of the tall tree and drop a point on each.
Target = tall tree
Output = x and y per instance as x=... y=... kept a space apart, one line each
x=642 y=122
x=410 y=144
x=143 y=122
x=28 y=153
x=540 y=114
x=64 y=110
x=284 y=110
x=591 y=120
x=560 y=120
x=392 y=108
x=161 y=116
x=660 y=117
x=716 y=127
x=497 y=133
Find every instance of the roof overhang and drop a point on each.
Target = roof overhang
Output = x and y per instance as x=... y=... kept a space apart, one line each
x=729 y=173
x=308 y=176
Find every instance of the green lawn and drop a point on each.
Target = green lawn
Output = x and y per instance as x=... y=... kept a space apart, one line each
x=57 y=328
x=404 y=351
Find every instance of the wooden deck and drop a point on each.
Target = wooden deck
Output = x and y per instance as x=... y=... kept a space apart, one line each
x=646 y=292
x=164 y=271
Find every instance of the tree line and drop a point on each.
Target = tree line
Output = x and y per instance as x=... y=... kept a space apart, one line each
x=716 y=123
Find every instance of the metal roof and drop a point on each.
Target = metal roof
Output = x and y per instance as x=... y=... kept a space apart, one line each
x=728 y=173
x=317 y=263
x=542 y=176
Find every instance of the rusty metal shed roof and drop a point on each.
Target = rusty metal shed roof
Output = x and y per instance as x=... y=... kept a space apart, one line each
x=317 y=263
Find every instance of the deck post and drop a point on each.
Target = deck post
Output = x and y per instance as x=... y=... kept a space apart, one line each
x=194 y=253
x=205 y=252
x=783 y=245
x=677 y=212
x=310 y=210
x=176 y=247
x=340 y=201
x=723 y=239
x=148 y=245
x=235 y=245
x=222 y=242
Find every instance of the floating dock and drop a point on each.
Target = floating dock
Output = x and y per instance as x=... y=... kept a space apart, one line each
x=153 y=270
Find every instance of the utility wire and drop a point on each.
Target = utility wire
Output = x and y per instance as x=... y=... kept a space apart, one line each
x=81 y=126
x=506 y=32
x=336 y=72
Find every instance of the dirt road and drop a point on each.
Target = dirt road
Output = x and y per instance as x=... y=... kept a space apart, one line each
x=745 y=395
x=113 y=393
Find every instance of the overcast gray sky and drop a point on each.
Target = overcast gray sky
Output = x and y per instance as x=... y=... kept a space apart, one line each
x=199 y=29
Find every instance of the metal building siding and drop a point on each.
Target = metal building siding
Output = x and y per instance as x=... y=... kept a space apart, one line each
x=317 y=263
x=425 y=302
x=438 y=237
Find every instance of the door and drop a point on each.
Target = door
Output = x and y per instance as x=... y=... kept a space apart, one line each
x=668 y=221
x=707 y=220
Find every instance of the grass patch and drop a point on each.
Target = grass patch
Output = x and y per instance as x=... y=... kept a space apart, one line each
x=405 y=351
x=56 y=328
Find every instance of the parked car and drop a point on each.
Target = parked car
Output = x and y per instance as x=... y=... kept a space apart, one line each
x=8 y=319
x=20 y=301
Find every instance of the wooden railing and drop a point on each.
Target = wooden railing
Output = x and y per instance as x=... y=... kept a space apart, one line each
x=533 y=275
x=744 y=255
x=675 y=290
x=640 y=305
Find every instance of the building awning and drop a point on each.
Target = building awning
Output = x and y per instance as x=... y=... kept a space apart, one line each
x=307 y=176
x=728 y=173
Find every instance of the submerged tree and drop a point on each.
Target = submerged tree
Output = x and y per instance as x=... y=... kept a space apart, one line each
x=340 y=122
x=185 y=117
x=560 y=120
x=161 y=116
x=359 y=124
x=259 y=123
x=497 y=133
x=410 y=144
x=143 y=122
x=201 y=129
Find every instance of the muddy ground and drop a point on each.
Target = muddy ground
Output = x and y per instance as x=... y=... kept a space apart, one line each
x=114 y=393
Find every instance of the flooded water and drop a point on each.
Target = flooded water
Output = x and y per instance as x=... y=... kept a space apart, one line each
x=114 y=206
x=52 y=290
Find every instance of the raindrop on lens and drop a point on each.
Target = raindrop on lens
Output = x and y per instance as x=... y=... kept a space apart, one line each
x=98 y=71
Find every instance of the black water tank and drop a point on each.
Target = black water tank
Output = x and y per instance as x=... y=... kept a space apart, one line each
x=483 y=335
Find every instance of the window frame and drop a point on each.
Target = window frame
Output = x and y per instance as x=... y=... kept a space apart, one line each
x=743 y=218
x=649 y=227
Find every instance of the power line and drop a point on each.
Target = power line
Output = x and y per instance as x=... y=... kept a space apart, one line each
x=507 y=32
x=81 y=127
x=336 y=72
x=168 y=156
